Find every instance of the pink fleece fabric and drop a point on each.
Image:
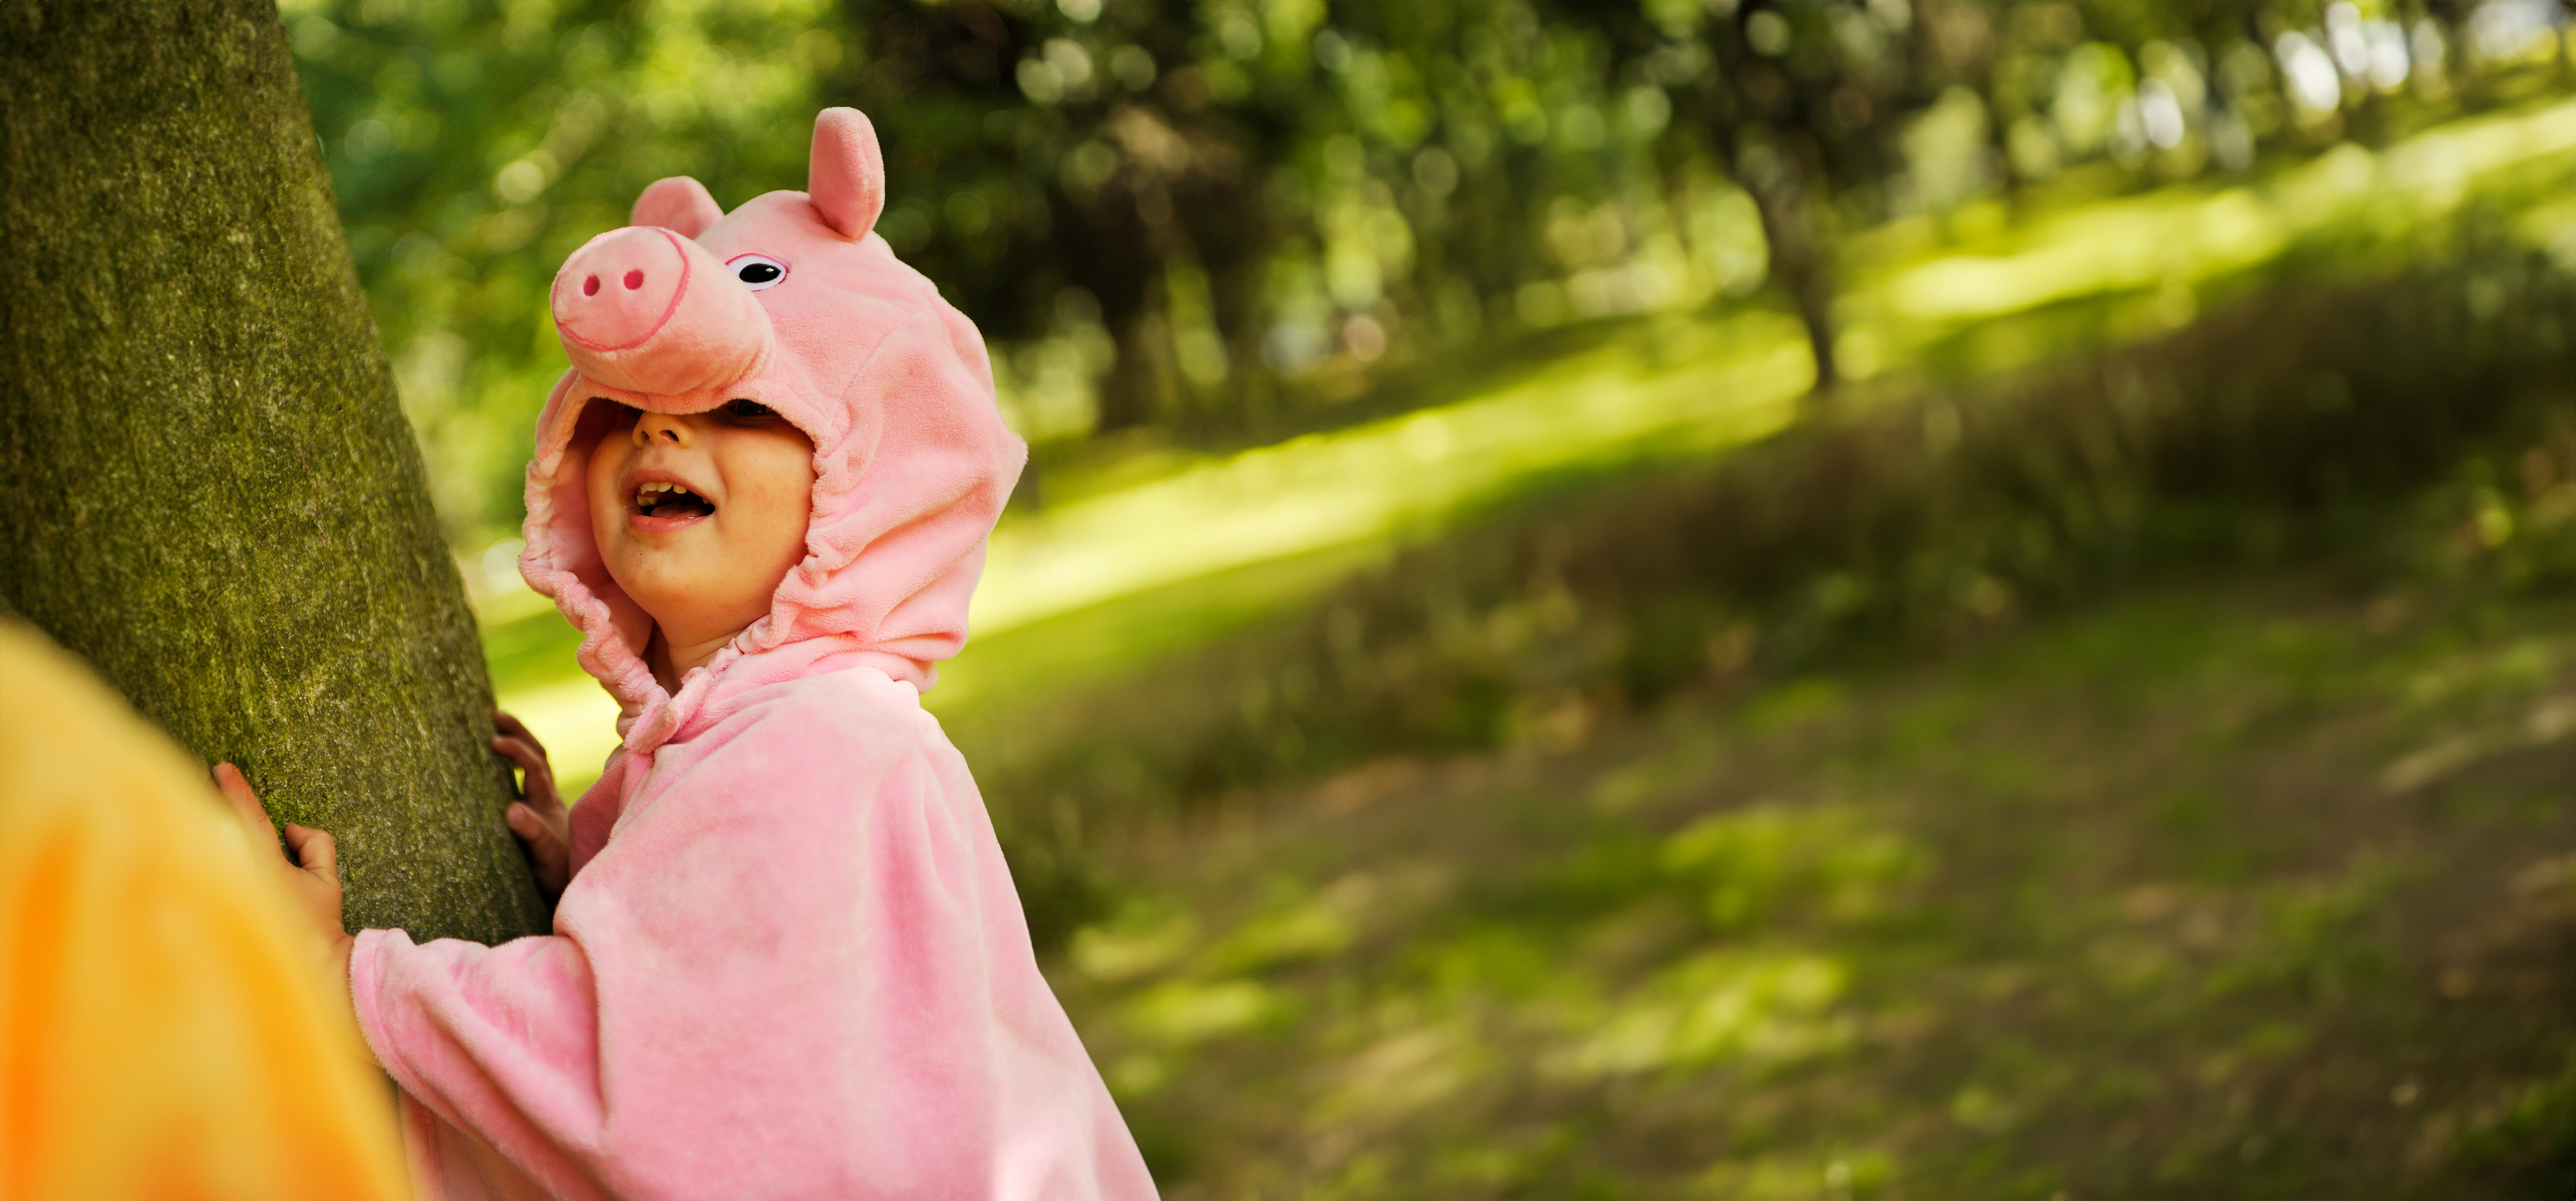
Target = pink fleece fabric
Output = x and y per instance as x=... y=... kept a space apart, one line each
x=790 y=962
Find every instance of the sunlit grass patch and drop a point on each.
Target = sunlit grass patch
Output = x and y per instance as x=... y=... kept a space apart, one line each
x=1410 y=1069
x=1146 y=935
x=1638 y=398
x=1310 y=928
x=1750 y=1006
x=1752 y=865
x=1180 y=1013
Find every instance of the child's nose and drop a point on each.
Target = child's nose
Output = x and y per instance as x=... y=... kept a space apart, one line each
x=648 y=310
x=664 y=429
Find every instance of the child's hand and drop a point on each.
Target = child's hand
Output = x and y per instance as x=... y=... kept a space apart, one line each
x=312 y=877
x=541 y=821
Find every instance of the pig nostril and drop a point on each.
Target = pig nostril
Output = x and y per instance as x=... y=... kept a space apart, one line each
x=590 y=286
x=634 y=280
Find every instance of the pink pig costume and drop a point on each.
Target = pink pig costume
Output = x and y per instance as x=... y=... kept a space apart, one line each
x=790 y=962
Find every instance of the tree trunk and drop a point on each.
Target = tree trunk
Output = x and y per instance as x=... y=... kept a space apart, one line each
x=1771 y=172
x=1798 y=266
x=214 y=497
x=1136 y=389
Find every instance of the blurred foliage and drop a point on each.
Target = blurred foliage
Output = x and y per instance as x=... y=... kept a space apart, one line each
x=1223 y=219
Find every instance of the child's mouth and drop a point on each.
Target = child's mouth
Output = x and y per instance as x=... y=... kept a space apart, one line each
x=671 y=502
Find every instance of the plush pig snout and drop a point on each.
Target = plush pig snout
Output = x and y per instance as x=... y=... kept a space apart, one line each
x=647 y=310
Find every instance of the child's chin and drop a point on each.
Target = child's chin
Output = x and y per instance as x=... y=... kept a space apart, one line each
x=644 y=569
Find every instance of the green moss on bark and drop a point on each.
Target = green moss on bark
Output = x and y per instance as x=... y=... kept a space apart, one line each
x=215 y=498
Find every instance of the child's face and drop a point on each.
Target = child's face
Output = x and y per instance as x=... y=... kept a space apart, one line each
x=700 y=515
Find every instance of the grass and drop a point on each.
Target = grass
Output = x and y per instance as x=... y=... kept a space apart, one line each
x=2122 y=903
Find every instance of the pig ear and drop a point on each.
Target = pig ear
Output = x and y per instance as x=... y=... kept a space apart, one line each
x=846 y=180
x=679 y=204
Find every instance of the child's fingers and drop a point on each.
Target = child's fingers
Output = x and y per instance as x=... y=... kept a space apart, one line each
x=527 y=824
x=546 y=850
x=528 y=755
x=515 y=728
x=245 y=804
x=315 y=850
x=229 y=781
x=532 y=760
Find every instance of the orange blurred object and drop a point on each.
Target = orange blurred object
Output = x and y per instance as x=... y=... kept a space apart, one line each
x=164 y=1030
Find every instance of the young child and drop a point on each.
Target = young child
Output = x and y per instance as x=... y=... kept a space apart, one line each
x=787 y=960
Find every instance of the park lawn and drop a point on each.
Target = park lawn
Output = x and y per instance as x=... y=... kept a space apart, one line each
x=2264 y=886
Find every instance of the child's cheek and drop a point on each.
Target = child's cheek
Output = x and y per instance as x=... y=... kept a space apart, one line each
x=777 y=471
x=607 y=509
x=784 y=513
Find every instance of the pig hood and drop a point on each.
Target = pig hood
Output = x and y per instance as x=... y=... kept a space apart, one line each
x=793 y=302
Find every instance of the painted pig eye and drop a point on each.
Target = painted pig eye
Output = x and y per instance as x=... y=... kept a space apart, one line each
x=756 y=271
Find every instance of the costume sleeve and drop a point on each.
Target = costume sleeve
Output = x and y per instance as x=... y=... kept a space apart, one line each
x=498 y=1041
x=798 y=969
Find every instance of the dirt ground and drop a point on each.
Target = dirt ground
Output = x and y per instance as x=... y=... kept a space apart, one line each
x=2257 y=889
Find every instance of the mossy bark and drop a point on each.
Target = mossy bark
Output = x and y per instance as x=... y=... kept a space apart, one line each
x=213 y=494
